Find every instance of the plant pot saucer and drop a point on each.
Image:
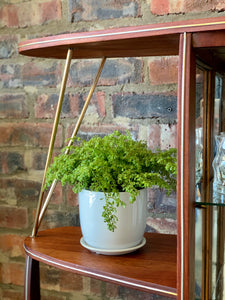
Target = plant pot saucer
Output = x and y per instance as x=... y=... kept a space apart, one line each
x=113 y=251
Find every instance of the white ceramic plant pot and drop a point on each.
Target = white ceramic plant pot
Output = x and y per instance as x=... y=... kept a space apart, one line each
x=130 y=226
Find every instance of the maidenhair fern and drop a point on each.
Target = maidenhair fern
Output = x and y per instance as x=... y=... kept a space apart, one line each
x=112 y=164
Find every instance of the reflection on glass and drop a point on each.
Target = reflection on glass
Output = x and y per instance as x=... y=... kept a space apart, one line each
x=199 y=132
x=219 y=170
x=219 y=198
x=198 y=180
x=217 y=105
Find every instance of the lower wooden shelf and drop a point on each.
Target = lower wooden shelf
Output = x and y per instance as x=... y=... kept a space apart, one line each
x=151 y=269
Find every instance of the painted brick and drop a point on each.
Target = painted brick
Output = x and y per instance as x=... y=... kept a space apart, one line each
x=160 y=225
x=95 y=10
x=19 y=190
x=13 y=106
x=11 y=162
x=160 y=203
x=12 y=245
x=27 y=14
x=163 y=70
x=28 y=134
x=8 y=46
x=13 y=273
x=10 y=76
x=154 y=136
x=115 y=71
x=168 y=136
x=139 y=106
x=162 y=136
x=13 y=217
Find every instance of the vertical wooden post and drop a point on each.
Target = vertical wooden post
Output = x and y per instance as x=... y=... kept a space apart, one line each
x=32 y=279
x=186 y=171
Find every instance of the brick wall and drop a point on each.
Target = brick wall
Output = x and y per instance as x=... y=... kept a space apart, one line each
x=133 y=93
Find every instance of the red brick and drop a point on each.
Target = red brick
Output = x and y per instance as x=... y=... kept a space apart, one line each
x=57 y=195
x=163 y=70
x=160 y=7
x=111 y=290
x=19 y=190
x=96 y=106
x=12 y=273
x=54 y=218
x=13 y=217
x=28 y=134
x=27 y=14
x=164 y=7
x=39 y=74
x=70 y=282
x=12 y=245
x=11 y=162
x=11 y=294
x=9 y=16
x=45 y=107
x=71 y=198
x=13 y=106
x=115 y=71
x=96 y=286
x=87 y=131
x=201 y=5
x=50 y=10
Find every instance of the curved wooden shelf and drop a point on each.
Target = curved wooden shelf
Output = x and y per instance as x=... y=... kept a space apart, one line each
x=145 y=40
x=150 y=269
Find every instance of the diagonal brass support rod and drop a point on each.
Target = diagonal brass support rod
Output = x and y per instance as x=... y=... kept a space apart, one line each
x=79 y=121
x=53 y=136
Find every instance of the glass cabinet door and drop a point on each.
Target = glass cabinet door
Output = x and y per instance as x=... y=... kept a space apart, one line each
x=209 y=213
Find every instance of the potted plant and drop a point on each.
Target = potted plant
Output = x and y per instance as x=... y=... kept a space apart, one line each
x=111 y=175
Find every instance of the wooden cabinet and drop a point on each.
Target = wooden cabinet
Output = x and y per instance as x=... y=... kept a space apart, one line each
x=198 y=44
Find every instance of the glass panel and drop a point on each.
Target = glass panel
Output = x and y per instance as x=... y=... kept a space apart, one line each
x=218 y=198
x=218 y=254
x=198 y=180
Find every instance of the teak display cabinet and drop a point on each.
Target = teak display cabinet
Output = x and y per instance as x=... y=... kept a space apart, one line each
x=165 y=265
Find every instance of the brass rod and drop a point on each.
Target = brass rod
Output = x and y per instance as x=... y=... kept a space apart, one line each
x=45 y=205
x=87 y=102
x=53 y=136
